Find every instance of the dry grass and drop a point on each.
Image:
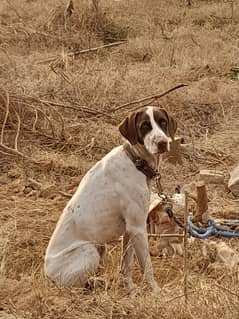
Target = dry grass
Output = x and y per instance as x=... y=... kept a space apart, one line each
x=61 y=120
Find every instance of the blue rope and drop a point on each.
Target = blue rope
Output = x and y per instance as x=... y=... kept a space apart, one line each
x=212 y=230
x=201 y=233
x=231 y=221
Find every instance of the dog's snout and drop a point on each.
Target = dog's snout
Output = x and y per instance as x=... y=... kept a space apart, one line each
x=163 y=146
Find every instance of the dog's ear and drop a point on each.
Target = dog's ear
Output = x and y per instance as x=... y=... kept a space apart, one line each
x=172 y=124
x=128 y=129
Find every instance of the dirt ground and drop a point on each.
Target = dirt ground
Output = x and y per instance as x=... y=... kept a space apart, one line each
x=58 y=116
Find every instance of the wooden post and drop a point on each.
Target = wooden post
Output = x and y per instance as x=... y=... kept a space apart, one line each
x=185 y=268
x=202 y=203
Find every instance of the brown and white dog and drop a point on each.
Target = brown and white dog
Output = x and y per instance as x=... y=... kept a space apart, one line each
x=111 y=200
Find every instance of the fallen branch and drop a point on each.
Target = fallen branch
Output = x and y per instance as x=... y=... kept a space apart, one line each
x=185 y=264
x=165 y=235
x=68 y=195
x=228 y=290
x=76 y=53
x=93 y=111
x=180 y=296
x=12 y=106
x=18 y=130
x=149 y=234
x=151 y=97
x=82 y=108
x=5 y=117
x=13 y=151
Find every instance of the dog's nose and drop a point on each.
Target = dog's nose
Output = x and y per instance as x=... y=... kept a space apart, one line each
x=162 y=146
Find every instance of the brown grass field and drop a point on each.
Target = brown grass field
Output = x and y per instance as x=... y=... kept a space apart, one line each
x=58 y=117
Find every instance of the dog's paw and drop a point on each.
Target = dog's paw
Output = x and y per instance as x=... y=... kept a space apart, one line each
x=130 y=286
x=156 y=290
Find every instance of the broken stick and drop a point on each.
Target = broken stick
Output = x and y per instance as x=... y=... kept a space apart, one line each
x=165 y=235
x=185 y=268
x=151 y=97
x=79 y=52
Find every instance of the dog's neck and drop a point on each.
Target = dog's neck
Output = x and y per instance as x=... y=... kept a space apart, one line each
x=140 y=151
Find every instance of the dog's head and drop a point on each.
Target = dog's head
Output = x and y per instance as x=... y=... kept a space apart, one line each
x=152 y=127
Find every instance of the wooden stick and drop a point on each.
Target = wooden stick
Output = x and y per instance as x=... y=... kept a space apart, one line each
x=12 y=151
x=202 y=203
x=180 y=296
x=68 y=195
x=76 y=53
x=226 y=289
x=149 y=235
x=165 y=235
x=80 y=108
x=18 y=130
x=155 y=96
x=185 y=268
x=5 y=117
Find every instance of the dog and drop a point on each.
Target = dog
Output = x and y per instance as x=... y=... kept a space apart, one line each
x=112 y=200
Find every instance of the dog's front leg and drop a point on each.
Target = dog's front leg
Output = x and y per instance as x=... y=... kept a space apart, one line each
x=127 y=259
x=139 y=239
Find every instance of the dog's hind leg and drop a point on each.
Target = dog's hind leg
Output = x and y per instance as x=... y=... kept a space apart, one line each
x=73 y=267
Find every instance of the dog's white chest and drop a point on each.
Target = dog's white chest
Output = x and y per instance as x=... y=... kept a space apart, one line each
x=96 y=211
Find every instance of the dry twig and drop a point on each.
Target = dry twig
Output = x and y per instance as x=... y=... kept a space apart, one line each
x=228 y=290
x=18 y=130
x=9 y=150
x=82 y=108
x=76 y=53
x=68 y=195
x=180 y=296
x=27 y=110
x=151 y=97
x=5 y=118
x=165 y=235
x=185 y=268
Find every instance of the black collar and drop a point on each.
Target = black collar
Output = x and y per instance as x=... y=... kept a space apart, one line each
x=141 y=164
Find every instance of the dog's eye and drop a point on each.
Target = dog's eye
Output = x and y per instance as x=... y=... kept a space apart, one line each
x=146 y=126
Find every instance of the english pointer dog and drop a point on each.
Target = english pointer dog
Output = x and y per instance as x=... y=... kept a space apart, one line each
x=112 y=200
